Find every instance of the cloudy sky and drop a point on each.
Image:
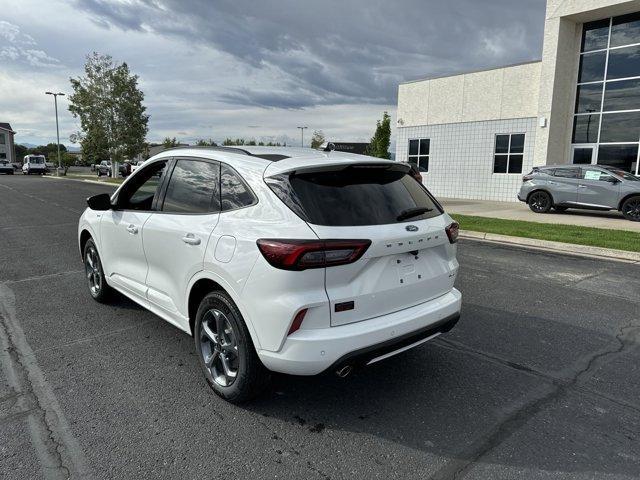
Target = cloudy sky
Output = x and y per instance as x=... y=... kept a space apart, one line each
x=253 y=68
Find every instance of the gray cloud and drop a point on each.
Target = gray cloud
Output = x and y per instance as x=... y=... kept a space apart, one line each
x=337 y=52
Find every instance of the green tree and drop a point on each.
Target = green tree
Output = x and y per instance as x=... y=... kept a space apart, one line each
x=170 y=142
x=108 y=103
x=206 y=143
x=317 y=140
x=379 y=145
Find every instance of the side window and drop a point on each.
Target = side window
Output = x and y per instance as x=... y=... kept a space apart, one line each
x=597 y=175
x=141 y=189
x=194 y=187
x=235 y=192
x=419 y=151
x=566 y=172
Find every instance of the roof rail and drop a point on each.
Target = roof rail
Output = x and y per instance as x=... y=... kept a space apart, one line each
x=208 y=147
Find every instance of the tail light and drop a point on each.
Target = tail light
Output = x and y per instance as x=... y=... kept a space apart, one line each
x=453 y=231
x=526 y=178
x=297 y=321
x=300 y=255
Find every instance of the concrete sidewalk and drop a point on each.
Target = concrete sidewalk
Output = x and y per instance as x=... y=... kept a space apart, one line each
x=520 y=211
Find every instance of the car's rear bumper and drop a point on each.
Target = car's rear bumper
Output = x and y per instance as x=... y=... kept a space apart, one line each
x=310 y=352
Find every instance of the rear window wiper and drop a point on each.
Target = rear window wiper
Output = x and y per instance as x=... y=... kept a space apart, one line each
x=413 y=212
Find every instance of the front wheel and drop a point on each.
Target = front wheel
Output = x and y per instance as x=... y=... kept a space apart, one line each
x=631 y=209
x=540 y=202
x=227 y=356
x=98 y=288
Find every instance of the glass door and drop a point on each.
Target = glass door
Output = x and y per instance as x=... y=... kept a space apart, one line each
x=583 y=154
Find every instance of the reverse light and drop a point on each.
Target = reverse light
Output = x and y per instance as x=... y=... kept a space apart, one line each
x=453 y=231
x=298 y=255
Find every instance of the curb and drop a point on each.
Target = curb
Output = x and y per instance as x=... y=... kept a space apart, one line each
x=95 y=182
x=557 y=247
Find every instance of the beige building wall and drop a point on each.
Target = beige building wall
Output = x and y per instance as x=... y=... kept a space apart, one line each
x=504 y=93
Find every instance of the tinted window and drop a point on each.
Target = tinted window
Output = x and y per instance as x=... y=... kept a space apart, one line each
x=354 y=196
x=502 y=143
x=566 y=172
x=194 y=187
x=235 y=192
x=624 y=62
x=625 y=30
x=592 y=67
x=595 y=35
x=620 y=127
x=509 y=151
x=623 y=95
x=589 y=98
x=621 y=156
x=582 y=156
x=138 y=193
x=585 y=128
x=419 y=153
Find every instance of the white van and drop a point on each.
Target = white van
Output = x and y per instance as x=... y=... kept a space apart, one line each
x=34 y=164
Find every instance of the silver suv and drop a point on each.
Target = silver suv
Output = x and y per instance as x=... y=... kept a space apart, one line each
x=590 y=187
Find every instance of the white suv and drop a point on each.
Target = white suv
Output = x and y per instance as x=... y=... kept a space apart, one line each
x=287 y=260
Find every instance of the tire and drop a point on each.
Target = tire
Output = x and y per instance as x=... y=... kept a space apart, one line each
x=94 y=274
x=235 y=373
x=560 y=209
x=540 y=202
x=631 y=208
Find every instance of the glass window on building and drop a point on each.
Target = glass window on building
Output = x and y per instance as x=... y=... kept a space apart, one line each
x=419 y=153
x=595 y=36
x=3 y=138
x=606 y=127
x=509 y=153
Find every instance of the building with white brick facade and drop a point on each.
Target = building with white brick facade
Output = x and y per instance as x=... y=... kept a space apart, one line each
x=474 y=134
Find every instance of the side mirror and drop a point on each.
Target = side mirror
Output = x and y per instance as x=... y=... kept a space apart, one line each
x=613 y=180
x=100 y=202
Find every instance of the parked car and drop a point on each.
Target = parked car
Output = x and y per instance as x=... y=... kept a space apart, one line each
x=6 y=167
x=103 y=168
x=125 y=169
x=34 y=164
x=590 y=187
x=277 y=259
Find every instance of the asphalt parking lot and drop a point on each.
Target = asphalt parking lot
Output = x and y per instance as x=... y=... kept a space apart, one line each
x=540 y=379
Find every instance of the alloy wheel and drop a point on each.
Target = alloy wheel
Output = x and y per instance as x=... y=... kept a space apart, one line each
x=539 y=202
x=93 y=271
x=219 y=347
x=632 y=209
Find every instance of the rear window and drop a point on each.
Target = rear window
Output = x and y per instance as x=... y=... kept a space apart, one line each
x=355 y=196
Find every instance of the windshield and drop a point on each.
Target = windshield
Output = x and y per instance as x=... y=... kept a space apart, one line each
x=355 y=196
x=36 y=160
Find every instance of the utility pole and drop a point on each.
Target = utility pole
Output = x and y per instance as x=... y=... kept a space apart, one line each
x=55 y=102
x=302 y=129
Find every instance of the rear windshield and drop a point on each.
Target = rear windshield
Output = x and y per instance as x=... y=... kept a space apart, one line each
x=36 y=160
x=355 y=196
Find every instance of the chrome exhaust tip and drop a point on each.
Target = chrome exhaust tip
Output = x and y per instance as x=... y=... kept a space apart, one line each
x=344 y=371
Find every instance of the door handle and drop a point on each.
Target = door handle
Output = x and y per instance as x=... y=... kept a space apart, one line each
x=132 y=229
x=582 y=186
x=191 y=239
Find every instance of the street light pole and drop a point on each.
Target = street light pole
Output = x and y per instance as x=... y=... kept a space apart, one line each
x=302 y=135
x=55 y=102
